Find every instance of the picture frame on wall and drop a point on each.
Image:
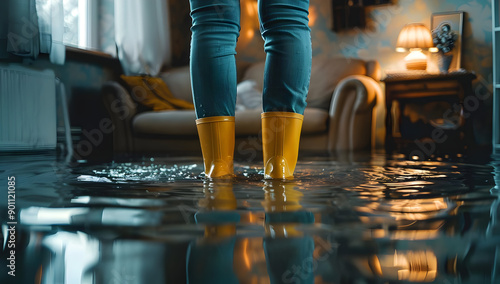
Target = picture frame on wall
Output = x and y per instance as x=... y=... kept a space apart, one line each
x=446 y=28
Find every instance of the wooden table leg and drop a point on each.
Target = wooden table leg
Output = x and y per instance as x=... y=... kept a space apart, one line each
x=389 y=141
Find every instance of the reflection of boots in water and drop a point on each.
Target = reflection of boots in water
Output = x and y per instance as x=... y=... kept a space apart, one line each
x=210 y=259
x=289 y=253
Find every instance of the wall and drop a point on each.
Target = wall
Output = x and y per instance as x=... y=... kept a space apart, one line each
x=384 y=23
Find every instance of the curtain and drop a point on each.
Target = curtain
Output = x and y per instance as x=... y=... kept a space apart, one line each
x=4 y=23
x=32 y=27
x=142 y=36
x=51 y=26
x=21 y=30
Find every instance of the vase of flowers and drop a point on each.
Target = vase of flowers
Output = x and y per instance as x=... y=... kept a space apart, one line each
x=444 y=39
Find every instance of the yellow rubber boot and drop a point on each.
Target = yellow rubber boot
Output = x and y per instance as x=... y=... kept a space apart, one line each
x=216 y=135
x=280 y=143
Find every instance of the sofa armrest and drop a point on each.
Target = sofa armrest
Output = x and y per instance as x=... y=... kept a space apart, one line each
x=121 y=109
x=352 y=119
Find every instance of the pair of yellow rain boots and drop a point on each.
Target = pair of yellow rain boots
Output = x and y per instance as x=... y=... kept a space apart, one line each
x=280 y=144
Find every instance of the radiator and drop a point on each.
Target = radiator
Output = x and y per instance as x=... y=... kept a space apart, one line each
x=27 y=108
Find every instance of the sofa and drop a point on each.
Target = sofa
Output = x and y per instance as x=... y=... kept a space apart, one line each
x=343 y=109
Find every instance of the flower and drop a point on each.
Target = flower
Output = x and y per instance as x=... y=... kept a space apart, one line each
x=444 y=38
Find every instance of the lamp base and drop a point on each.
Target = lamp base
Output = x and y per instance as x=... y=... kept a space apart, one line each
x=416 y=60
x=416 y=65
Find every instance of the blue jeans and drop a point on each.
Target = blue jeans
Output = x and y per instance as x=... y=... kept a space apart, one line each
x=215 y=30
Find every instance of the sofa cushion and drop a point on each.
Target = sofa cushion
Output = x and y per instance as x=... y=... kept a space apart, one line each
x=182 y=122
x=255 y=73
x=325 y=75
x=177 y=122
x=248 y=121
x=178 y=81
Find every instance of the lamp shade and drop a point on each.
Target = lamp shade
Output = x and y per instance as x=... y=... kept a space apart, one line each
x=414 y=35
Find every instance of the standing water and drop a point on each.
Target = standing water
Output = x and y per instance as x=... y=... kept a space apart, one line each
x=374 y=220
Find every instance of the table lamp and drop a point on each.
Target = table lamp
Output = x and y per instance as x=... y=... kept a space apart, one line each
x=415 y=37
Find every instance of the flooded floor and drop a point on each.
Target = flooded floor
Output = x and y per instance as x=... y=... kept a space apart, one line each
x=369 y=219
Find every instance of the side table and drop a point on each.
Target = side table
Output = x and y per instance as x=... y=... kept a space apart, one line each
x=417 y=85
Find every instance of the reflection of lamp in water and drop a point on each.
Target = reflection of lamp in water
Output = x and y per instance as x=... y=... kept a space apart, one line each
x=415 y=37
x=408 y=209
x=414 y=266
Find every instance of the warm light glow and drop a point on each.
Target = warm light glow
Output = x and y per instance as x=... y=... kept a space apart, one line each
x=433 y=49
x=406 y=209
x=416 y=60
x=252 y=8
x=249 y=22
x=414 y=35
x=415 y=54
x=250 y=33
x=415 y=234
x=414 y=266
x=245 y=254
x=377 y=269
x=250 y=260
x=250 y=218
x=313 y=15
x=418 y=205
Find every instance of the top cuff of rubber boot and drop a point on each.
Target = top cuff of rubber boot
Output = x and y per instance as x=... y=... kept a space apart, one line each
x=211 y=119
x=282 y=114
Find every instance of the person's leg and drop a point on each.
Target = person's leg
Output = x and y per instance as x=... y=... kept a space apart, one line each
x=215 y=31
x=284 y=27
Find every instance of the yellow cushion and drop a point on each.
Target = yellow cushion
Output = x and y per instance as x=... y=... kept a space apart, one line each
x=152 y=92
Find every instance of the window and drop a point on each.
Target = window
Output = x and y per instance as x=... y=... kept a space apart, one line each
x=70 y=36
x=87 y=24
x=80 y=23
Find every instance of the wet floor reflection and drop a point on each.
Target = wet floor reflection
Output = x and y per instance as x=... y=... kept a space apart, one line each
x=369 y=221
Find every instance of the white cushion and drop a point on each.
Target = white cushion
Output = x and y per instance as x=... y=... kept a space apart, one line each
x=248 y=96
